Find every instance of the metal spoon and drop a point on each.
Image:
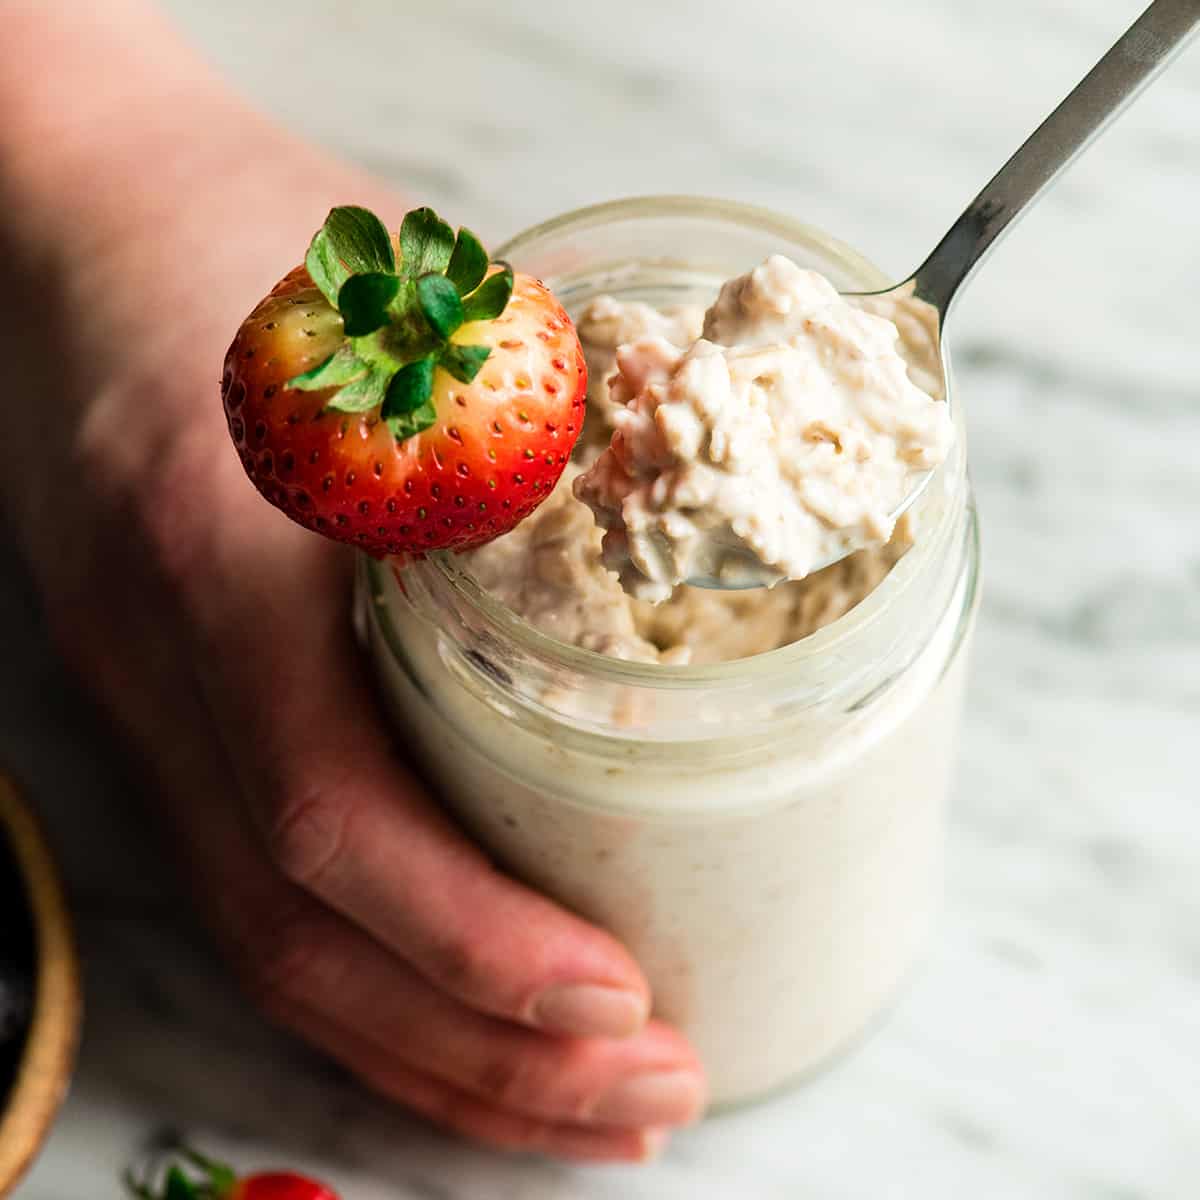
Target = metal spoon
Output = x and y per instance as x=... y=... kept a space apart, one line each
x=1137 y=58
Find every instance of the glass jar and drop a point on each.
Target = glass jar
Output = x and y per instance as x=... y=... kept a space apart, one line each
x=765 y=835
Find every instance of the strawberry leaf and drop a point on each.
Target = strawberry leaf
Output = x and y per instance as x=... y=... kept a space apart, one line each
x=221 y=1177
x=440 y=303
x=188 y=1176
x=407 y=409
x=463 y=362
x=364 y=394
x=426 y=242
x=491 y=297
x=468 y=263
x=406 y=425
x=341 y=367
x=352 y=241
x=363 y=301
x=179 y=1187
x=410 y=388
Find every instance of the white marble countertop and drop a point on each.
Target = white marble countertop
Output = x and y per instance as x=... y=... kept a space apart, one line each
x=1050 y=1047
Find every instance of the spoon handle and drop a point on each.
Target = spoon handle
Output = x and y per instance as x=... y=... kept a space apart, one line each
x=1140 y=54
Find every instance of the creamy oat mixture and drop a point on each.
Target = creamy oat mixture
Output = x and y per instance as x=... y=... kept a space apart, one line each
x=610 y=323
x=550 y=569
x=784 y=437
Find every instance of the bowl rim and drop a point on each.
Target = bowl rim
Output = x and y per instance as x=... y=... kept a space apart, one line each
x=52 y=1040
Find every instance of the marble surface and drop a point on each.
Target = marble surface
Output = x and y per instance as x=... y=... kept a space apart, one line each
x=1049 y=1049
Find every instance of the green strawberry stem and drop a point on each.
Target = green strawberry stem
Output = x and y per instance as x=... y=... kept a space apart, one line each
x=398 y=317
x=205 y=1180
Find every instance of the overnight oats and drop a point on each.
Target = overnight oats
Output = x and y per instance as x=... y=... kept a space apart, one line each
x=746 y=787
x=784 y=437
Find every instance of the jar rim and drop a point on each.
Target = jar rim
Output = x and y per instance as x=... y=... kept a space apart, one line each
x=783 y=659
x=671 y=204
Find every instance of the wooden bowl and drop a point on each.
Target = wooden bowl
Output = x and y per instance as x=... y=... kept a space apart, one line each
x=35 y=1067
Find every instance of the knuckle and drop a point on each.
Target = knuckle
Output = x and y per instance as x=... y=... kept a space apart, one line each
x=508 y=1080
x=549 y=1081
x=459 y=963
x=305 y=833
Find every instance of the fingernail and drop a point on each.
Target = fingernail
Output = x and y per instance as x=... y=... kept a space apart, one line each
x=655 y=1098
x=589 y=1010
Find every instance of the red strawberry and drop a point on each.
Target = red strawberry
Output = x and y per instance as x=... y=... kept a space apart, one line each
x=208 y=1180
x=424 y=404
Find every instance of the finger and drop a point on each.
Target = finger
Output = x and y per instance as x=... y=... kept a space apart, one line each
x=473 y=1117
x=300 y=959
x=343 y=818
x=212 y=834
x=316 y=963
x=247 y=905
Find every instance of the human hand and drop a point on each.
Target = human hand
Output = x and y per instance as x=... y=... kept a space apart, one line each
x=356 y=914
x=217 y=636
